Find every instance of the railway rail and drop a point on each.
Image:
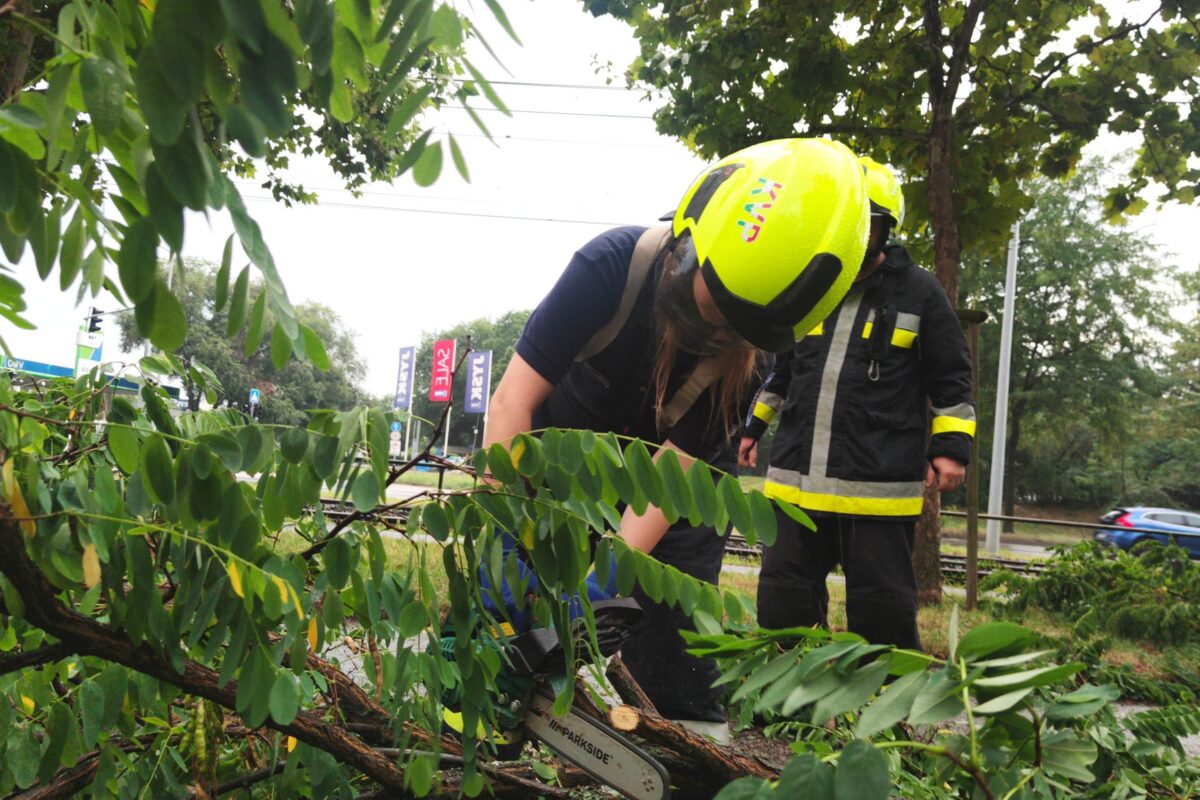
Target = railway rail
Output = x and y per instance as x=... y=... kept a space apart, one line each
x=953 y=566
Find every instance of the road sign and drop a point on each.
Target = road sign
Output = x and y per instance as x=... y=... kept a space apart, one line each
x=255 y=396
x=396 y=426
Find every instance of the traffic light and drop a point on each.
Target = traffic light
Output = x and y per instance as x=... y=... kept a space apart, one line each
x=94 y=321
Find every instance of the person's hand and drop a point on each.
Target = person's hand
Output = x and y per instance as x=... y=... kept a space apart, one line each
x=946 y=473
x=748 y=452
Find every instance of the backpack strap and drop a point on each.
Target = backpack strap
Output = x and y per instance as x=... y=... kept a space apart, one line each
x=705 y=372
x=644 y=253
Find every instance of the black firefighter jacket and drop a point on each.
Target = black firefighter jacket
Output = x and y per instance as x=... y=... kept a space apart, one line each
x=854 y=398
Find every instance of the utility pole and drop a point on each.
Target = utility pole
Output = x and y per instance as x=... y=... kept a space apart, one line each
x=1000 y=431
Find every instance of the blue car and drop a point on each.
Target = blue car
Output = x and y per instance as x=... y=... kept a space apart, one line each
x=1167 y=525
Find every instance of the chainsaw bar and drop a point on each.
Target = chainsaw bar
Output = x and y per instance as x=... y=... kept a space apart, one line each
x=597 y=749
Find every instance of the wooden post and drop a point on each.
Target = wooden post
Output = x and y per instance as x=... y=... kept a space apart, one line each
x=972 y=318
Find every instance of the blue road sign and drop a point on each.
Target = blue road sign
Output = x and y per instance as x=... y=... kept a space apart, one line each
x=396 y=426
x=255 y=396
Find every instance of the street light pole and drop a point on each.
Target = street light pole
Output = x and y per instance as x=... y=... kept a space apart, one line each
x=1000 y=430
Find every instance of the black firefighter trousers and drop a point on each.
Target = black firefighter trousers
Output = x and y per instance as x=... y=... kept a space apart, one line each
x=876 y=558
x=679 y=685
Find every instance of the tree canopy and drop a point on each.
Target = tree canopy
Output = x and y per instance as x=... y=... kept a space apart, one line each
x=1091 y=326
x=152 y=108
x=287 y=392
x=967 y=98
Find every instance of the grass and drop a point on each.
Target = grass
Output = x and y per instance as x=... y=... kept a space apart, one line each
x=933 y=623
x=453 y=480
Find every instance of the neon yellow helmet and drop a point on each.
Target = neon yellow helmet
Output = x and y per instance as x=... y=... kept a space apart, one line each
x=779 y=231
x=884 y=190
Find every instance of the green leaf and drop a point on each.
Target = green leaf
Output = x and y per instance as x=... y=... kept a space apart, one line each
x=337 y=562
x=70 y=259
x=414 y=19
x=420 y=775
x=990 y=637
x=1004 y=702
x=890 y=706
x=21 y=117
x=460 y=163
x=365 y=493
x=281 y=347
x=855 y=690
x=9 y=188
x=137 y=260
x=314 y=348
x=501 y=17
x=736 y=506
x=796 y=514
x=158 y=470
x=862 y=773
x=225 y=445
x=103 y=93
x=700 y=481
x=254 y=334
x=222 y=284
x=294 y=444
x=165 y=210
x=762 y=517
x=807 y=777
x=1041 y=676
x=486 y=88
x=407 y=110
x=325 y=456
x=749 y=788
x=237 y=306
x=169 y=326
x=428 y=166
x=285 y=697
x=413 y=620
x=163 y=110
x=1066 y=755
x=125 y=448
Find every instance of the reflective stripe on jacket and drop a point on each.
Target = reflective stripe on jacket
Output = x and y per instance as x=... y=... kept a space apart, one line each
x=853 y=398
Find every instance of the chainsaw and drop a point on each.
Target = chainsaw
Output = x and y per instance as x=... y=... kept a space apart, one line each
x=526 y=706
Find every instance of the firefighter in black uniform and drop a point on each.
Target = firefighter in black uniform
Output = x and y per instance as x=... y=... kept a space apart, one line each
x=853 y=400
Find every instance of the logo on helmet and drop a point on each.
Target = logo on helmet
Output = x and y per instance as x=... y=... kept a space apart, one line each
x=757 y=209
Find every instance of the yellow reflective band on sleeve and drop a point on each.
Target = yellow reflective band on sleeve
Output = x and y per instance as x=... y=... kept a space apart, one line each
x=817 y=331
x=836 y=504
x=867 y=330
x=764 y=412
x=903 y=338
x=953 y=425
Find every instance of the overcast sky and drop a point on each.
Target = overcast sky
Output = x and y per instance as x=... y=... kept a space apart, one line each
x=392 y=271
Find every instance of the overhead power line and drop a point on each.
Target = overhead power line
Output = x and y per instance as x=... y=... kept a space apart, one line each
x=552 y=113
x=439 y=212
x=599 y=87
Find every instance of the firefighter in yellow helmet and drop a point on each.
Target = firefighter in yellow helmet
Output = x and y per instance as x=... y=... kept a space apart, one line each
x=852 y=400
x=656 y=333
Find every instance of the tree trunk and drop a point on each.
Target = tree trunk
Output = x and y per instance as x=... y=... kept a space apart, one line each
x=944 y=221
x=16 y=42
x=927 y=549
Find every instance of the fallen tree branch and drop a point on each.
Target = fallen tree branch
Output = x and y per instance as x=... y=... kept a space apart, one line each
x=92 y=638
x=46 y=654
x=700 y=756
x=627 y=688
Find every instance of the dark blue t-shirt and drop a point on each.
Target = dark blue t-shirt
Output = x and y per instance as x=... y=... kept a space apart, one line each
x=614 y=389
